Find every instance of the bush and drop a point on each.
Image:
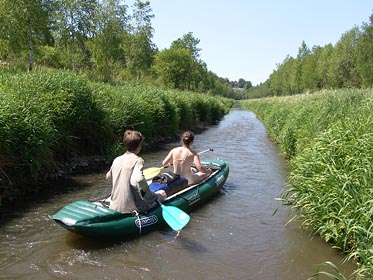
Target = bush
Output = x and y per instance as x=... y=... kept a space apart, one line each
x=328 y=138
x=48 y=117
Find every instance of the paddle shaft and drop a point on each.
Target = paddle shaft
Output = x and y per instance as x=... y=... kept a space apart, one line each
x=205 y=151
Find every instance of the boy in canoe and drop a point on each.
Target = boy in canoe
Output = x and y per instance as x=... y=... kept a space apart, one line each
x=130 y=191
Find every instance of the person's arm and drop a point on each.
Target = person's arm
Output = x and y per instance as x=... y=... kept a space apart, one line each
x=168 y=159
x=197 y=163
x=108 y=175
x=139 y=182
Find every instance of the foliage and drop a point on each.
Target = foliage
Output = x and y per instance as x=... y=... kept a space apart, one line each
x=348 y=64
x=173 y=66
x=24 y=24
x=335 y=273
x=46 y=118
x=328 y=137
x=189 y=42
x=104 y=40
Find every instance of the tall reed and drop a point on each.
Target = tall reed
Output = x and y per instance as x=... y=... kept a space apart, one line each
x=48 y=117
x=328 y=138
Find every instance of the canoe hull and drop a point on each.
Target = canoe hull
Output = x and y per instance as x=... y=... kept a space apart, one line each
x=94 y=220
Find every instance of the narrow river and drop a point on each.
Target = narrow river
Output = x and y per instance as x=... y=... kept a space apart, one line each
x=238 y=235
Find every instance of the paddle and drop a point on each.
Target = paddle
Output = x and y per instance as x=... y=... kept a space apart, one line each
x=174 y=217
x=151 y=172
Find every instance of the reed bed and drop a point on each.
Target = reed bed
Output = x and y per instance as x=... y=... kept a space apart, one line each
x=328 y=138
x=47 y=118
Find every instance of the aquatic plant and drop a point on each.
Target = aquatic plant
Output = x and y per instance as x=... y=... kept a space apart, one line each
x=328 y=138
x=48 y=117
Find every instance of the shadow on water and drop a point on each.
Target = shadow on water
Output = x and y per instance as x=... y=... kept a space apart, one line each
x=229 y=187
x=180 y=242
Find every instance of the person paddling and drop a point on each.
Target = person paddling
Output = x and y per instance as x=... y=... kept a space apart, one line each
x=182 y=158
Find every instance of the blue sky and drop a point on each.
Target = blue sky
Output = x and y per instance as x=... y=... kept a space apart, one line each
x=247 y=39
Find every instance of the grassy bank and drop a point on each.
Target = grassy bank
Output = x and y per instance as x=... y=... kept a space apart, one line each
x=328 y=138
x=47 y=118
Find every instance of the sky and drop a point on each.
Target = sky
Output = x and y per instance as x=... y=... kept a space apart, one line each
x=248 y=39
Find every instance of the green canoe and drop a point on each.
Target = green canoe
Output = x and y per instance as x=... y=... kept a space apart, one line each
x=96 y=220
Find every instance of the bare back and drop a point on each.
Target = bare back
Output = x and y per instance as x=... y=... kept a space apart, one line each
x=182 y=159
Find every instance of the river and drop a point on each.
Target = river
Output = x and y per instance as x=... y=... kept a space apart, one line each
x=240 y=234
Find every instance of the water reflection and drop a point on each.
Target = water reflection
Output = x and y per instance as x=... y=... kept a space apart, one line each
x=234 y=236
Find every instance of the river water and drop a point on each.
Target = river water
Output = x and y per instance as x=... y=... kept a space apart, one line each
x=240 y=234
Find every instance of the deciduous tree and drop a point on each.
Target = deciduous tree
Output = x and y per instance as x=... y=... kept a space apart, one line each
x=364 y=55
x=173 y=67
x=24 y=26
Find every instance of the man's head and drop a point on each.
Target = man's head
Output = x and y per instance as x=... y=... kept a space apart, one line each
x=132 y=139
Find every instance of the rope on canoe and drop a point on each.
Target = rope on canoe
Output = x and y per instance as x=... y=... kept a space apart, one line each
x=138 y=219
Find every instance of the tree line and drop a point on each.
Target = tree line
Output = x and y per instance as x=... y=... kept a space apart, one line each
x=347 y=64
x=104 y=39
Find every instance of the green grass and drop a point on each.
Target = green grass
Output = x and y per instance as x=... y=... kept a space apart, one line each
x=328 y=138
x=48 y=117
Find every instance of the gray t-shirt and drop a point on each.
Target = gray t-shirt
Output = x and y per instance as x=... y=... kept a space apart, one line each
x=130 y=191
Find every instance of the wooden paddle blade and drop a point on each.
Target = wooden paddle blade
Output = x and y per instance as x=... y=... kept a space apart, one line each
x=151 y=172
x=175 y=217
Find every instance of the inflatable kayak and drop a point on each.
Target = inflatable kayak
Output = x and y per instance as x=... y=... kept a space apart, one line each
x=95 y=219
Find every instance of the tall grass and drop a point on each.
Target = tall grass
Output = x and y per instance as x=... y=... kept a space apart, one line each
x=46 y=118
x=328 y=138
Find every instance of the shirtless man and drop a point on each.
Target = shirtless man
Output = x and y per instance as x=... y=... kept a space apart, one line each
x=182 y=159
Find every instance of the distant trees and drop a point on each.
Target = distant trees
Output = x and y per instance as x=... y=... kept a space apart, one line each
x=180 y=67
x=105 y=39
x=364 y=55
x=347 y=64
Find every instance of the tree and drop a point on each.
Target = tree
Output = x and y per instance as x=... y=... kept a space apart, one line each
x=323 y=66
x=342 y=71
x=106 y=46
x=279 y=81
x=173 y=66
x=310 y=79
x=24 y=26
x=197 y=69
x=140 y=50
x=296 y=85
x=364 y=55
x=189 y=42
x=74 y=24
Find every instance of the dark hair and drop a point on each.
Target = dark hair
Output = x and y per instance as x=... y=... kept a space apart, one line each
x=132 y=139
x=187 y=138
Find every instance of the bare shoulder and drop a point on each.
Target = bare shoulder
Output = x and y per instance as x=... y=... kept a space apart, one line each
x=194 y=152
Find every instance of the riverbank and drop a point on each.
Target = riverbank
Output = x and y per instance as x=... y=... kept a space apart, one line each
x=327 y=137
x=52 y=120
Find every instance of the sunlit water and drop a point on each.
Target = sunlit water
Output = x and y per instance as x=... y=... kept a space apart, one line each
x=237 y=235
